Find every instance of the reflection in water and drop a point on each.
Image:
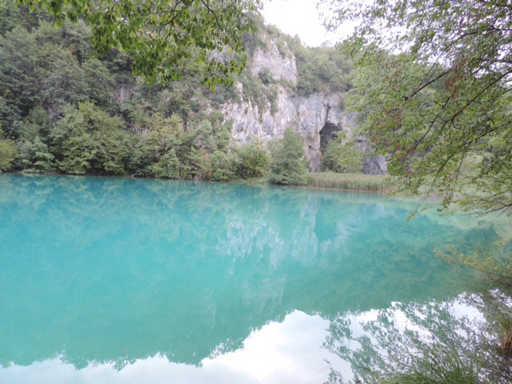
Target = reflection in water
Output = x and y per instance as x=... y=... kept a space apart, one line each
x=381 y=342
x=108 y=276
x=268 y=356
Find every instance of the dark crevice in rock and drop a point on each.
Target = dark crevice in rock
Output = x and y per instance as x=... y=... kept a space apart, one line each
x=327 y=134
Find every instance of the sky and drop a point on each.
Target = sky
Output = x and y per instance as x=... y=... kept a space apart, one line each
x=299 y=17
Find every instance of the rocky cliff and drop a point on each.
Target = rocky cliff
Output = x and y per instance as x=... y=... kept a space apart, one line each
x=315 y=117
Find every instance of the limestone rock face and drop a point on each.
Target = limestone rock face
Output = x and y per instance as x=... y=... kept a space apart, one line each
x=306 y=115
x=375 y=165
x=372 y=165
x=282 y=66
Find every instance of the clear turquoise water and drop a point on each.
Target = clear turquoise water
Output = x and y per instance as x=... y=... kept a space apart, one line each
x=157 y=281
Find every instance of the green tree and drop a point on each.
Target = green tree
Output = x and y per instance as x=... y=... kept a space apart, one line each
x=35 y=156
x=20 y=75
x=72 y=37
x=162 y=35
x=36 y=124
x=7 y=154
x=98 y=82
x=168 y=166
x=222 y=166
x=88 y=140
x=441 y=107
x=323 y=69
x=164 y=151
x=288 y=165
x=10 y=16
x=341 y=156
x=63 y=81
x=9 y=117
x=253 y=160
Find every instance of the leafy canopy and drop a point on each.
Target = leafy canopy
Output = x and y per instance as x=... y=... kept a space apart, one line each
x=433 y=91
x=254 y=160
x=7 y=154
x=342 y=156
x=288 y=165
x=163 y=34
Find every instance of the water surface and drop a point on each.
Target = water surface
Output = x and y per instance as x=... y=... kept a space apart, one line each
x=119 y=280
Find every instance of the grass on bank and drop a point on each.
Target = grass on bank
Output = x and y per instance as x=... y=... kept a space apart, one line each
x=338 y=181
x=351 y=182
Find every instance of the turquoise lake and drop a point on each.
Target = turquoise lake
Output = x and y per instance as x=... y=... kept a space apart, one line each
x=150 y=281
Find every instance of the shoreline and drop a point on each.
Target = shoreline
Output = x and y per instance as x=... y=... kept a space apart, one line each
x=339 y=182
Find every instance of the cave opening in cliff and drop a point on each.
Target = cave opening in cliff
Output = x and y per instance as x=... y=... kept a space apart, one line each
x=327 y=134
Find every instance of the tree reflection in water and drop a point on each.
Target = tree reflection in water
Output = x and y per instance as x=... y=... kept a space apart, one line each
x=92 y=267
x=409 y=337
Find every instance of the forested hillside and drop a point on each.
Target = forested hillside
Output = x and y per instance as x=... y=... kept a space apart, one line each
x=64 y=109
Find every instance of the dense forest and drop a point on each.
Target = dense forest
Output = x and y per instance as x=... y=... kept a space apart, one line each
x=65 y=109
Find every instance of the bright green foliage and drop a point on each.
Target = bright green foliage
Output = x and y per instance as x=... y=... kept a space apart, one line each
x=20 y=75
x=288 y=165
x=253 y=160
x=36 y=124
x=323 y=69
x=163 y=152
x=96 y=153
x=213 y=138
x=65 y=82
x=7 y=154
x=222 y=165
x=98 y=81
x=442 y=107
x=341 y=156
x=41 y=68
x=10 y=15
x=206 y=135
x=201 y=163
x=35 y=156
x=162 y=35
x=87 y=140
x=168 y=166
x=71 y=112
x=72 y=37
x=9 y=116
x=171 y=150
x=181 y=99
